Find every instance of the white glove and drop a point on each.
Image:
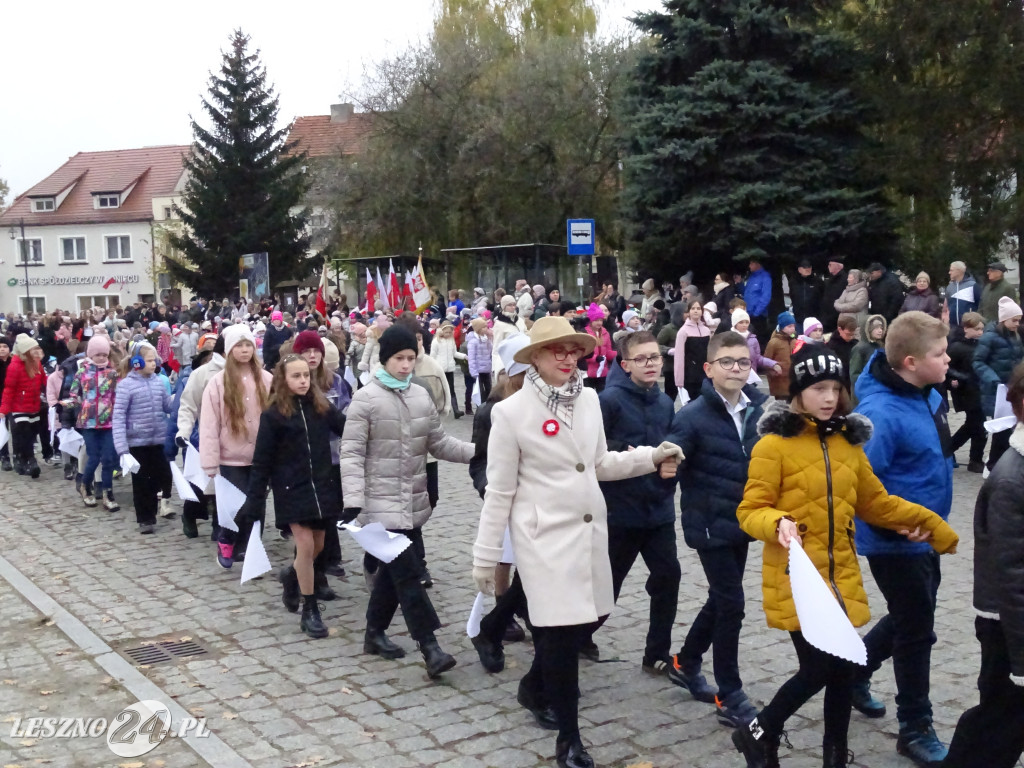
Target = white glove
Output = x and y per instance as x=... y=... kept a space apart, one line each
x=129 y=466
x=1017 y=680
x=672 y=352
x=667 y=451
x=363 y=367
x=484 y=578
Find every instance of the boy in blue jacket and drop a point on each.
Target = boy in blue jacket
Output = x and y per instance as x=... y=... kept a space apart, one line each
x=641 y=520
x=717 y=431
x=911 y=453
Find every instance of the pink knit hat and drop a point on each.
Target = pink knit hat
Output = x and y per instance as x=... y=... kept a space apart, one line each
x=595 y=312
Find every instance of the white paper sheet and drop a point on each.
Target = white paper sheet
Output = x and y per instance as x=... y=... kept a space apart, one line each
x=70 y=441
x=256 y=562
x=194 y=470
x=600 y=369
x=185 y=492
x=822 y=620
x=3 y=431
x=508 y=555
x=350 y=378
x=52 y=416
x=229 y=500
x=129 y=464
x=378 y=541
x=1000 y=425
x=1003 y=407
x=476 y=613
x=364 y=378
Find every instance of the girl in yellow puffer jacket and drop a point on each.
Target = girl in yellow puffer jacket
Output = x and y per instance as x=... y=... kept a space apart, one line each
x=808 y=480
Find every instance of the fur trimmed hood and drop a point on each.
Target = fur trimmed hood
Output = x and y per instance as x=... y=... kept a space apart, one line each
x=779 y=419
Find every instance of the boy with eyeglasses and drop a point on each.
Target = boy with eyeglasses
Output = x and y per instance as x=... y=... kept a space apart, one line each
x=717 y=431
x=640 y=516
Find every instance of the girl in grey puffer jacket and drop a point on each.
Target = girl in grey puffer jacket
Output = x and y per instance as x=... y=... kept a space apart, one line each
x=141 y=406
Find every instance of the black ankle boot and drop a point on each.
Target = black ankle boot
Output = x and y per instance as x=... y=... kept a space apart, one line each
x=570 y=753
x=290 y=588
x=321 y=588
x=437 y=660
x=32 y=468
x=311 y=622
x=836 y=755
x=377 y=643
x=759 y=748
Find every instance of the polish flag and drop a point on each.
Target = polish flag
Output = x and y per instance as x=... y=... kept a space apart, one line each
x=321 y=293
x=371 y=292
x=407 y=291
x=382 y=289
x=394 y=291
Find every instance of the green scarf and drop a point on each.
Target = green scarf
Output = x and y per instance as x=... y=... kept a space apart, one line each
x=390 y=381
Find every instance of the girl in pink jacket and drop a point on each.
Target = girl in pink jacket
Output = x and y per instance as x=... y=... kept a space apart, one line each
x=604 y=352
x=229 y=419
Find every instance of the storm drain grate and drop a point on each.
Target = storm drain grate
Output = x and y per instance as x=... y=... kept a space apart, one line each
x=164 y=652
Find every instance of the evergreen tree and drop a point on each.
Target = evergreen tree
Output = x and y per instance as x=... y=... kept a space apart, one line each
x=243 y=183
x=743 y=140
x=4 y=189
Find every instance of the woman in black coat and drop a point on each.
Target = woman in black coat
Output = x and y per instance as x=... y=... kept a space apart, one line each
x=963 y=385
x=293 y=456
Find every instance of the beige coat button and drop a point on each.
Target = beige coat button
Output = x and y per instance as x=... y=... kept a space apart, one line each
x=587 y=518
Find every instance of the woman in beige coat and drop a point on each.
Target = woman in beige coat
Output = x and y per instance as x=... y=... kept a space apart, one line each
x=546 y=454
x=854 y=298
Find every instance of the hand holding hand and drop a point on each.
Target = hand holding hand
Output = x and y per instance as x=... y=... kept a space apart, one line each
x=668 y=468
x=667 y=451
x=788 y=532
x=484 y=578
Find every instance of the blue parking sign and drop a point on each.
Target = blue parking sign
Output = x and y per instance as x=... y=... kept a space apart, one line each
x=580 y=237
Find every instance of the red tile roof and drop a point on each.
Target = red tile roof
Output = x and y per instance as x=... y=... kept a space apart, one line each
x=319 y=137
x=155 y=171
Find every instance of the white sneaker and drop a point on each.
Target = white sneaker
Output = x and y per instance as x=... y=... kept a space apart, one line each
x=109 y=504
x=984 y=474
x=166 y=510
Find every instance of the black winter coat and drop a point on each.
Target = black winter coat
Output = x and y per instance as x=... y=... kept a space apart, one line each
x=481 y=434
x=886 y=295
x=805 y=294
x=832 y=289
x=293 y=456
x=635 y=416
x=272 y=341
x=714 y=472
x=966 y=394
x=999 y=549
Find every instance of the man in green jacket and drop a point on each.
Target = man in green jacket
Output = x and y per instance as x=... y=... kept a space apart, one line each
x=996 y=287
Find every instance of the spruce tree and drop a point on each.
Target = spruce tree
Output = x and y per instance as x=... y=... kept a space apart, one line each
x=743 y=139
x=243 y=182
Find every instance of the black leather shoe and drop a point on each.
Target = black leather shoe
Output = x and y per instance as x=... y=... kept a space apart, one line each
x=545 y=716
x=437 y=660
x=571 y=754
x=590 y=651
x=492 y=655
x=377 y=643
x=311 y=622
x=514 y=633
x=290 y=588
x=321 y=588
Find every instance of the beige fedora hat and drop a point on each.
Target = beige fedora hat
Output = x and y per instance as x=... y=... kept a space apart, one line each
x=553 y=330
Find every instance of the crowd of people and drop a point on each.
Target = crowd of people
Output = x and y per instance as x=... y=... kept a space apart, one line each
x=588 y=419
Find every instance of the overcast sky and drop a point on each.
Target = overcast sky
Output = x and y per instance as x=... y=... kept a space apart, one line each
x=86 y=77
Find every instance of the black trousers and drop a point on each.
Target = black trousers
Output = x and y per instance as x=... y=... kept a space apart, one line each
x=553 y=678
x=153 y=472
x=398 y=583
x=817 y=670
x=1000 y=442
x=719 y=621
x=450 y=377
x=991 y=735
x=485 y=386
x=972 y=429
x=238 y=477
x=910 y=585
x=511 y=603
x=24 y=427
x=657 y=546
x=671 y=388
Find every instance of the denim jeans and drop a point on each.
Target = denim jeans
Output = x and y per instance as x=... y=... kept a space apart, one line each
x=99 y=447
x=910 y=584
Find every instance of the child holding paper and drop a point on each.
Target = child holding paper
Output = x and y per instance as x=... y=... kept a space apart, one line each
x=140 y=426
x=293 y=455
x=228 y=422
x=808 y=479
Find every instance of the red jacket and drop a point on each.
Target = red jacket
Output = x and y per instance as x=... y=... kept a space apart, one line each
x=22 y=393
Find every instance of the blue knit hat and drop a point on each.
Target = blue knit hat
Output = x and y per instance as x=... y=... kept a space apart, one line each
x=784 y=319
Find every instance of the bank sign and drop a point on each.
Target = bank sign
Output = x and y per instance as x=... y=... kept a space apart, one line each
x=104 y=281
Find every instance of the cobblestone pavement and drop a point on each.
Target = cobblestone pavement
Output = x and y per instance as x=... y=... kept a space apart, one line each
x=280 y=699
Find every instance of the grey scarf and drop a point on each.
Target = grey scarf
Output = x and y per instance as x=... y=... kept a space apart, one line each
x=560 y=401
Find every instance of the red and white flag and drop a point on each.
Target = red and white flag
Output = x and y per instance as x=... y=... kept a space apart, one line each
x=382 y=290
x=394 y=290
x=321 y=293
x=371 y=292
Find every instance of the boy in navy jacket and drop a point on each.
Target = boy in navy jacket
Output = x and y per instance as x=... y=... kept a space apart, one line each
x=910 y=452
x=717 y=432
x=641 y=520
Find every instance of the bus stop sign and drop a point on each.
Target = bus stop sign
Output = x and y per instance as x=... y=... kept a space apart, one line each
x=580 y=237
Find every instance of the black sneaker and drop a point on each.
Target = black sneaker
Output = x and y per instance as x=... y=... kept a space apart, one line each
x=694 y=682
x=977 y=467
x=653 y=665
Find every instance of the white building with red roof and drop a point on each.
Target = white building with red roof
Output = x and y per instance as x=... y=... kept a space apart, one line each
x=89 y=229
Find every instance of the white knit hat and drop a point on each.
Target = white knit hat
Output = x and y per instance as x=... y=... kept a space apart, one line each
x=739 y=315
x=810 y=323
x=1008 y=309
x=236 y=333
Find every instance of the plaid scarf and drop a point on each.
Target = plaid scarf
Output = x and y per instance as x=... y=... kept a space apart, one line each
x=559 y=401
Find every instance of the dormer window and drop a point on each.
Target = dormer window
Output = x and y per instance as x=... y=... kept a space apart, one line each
x=108 y=201
x=43 y=204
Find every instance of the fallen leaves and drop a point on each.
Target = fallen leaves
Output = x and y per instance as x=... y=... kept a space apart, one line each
x=229 y=715
x=247 y=694
x=46 y=693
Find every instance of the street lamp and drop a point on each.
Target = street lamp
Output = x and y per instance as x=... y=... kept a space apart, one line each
x=24 y=260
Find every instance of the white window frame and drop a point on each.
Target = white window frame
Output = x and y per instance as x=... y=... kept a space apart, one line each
x=110 y=300
x=35 y=300
x=84 y=254
x=40 y=205
x=116 y=199
x=106 y=250
x=19 y=262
